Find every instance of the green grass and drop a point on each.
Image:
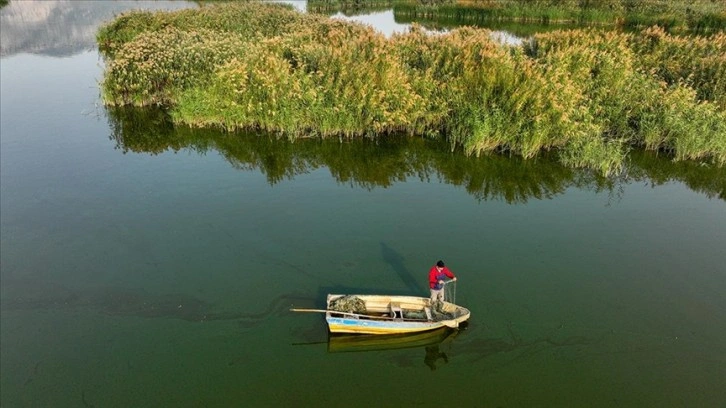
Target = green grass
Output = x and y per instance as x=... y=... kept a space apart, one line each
x=589 y=96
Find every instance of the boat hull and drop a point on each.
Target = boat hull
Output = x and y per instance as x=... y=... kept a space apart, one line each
x=380 y=319
x=338 y=343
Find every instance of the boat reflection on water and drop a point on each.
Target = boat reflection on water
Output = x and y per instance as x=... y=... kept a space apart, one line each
x=431 y=341
x=338 y=343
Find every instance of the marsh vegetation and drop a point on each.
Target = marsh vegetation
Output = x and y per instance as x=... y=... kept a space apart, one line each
x=348 y=7
x=587 y=95
x=695 y=16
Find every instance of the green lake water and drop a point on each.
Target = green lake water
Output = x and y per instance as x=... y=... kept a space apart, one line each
x=147 y=266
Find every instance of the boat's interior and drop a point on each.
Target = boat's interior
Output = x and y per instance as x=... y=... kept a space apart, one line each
x=382 y=308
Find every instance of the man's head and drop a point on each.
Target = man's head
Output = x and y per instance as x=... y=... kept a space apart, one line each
x=440 y=264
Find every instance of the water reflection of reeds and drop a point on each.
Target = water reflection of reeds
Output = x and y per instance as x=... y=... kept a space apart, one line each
x=385 y=161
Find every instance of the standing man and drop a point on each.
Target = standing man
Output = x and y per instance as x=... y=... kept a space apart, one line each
x=437 y=274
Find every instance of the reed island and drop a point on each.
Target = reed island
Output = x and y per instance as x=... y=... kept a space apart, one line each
x=587 y=95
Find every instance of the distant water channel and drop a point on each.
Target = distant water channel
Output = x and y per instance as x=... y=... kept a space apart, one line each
x=148 y=266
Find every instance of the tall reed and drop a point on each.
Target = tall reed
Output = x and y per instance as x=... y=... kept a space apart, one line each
x=629 y=105
x=348 y=7
x=303 y=84
x=153 y=56
x=696 y=62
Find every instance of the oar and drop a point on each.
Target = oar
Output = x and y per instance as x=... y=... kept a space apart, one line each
x=346 y=313
x=324 y=311
x=310 y=310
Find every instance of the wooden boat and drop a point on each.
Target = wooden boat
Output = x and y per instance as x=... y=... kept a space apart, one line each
x=345 y=342
x=393 y=314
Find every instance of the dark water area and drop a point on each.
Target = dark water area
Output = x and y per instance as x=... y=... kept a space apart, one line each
x=146 y=265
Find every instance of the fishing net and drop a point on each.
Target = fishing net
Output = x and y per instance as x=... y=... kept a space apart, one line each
x=414 y=314
x=348 y=304
x=438 y=313
x=450 y=291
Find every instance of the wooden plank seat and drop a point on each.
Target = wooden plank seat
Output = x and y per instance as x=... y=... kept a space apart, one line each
x=396 y=311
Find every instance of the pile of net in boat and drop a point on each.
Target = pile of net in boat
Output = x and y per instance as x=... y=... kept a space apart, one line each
x=348 y=304
x=438 y=313
x=414 y=314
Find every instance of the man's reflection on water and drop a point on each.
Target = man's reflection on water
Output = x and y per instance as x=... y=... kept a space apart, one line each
x=433 y=355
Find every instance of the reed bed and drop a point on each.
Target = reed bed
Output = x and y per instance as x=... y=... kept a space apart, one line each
x=348 y=7
x=589 y=96
x=698 y=16
x=697 y=62
x=163 y=53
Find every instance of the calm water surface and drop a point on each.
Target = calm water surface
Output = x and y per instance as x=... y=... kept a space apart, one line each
x=148 y=266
